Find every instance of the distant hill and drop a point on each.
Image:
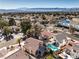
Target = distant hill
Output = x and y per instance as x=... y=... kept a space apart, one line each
x=40 y=10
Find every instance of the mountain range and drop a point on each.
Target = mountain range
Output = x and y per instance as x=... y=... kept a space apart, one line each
x=40 y=10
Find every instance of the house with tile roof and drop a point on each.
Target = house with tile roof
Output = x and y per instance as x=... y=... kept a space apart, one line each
x=34 y=47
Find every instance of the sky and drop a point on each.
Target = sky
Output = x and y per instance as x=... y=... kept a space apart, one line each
x=13 y=4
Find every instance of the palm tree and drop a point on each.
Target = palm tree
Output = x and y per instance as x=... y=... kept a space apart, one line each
x=19 y=42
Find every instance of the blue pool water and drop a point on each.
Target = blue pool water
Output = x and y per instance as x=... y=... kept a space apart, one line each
x=52 y=47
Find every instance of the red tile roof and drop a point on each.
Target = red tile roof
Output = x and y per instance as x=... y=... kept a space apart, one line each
x=46 y=33
x=32 y=45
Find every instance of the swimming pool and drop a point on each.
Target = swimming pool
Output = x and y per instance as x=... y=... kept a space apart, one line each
x=52 y=47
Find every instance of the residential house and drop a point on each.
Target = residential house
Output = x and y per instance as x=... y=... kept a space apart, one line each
x=67 y=23
x=61 y=39
x=64 y=23
x=73 y=51
x=46 y=34
x=58 y=40
x=34 y=47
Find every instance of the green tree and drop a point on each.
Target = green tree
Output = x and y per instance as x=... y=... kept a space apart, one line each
x=19 y=41
x=3 y=23
x=7 y=30
x=25 y=26
x=12 y=22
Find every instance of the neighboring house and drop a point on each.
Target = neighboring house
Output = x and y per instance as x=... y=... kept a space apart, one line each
x=72 y=50
x=58 y=40
x=61 y=39
x=67 y=23
x=46 y=34
x=76 y=51
x=64 y=23
x=34 y=47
